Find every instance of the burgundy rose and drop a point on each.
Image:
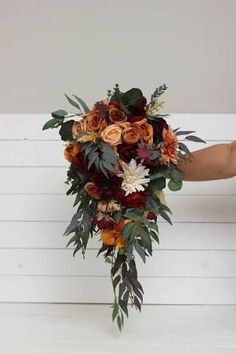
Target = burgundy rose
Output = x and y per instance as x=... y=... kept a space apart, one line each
x=137 y=112
x=158 y=125
x=127 y=152
x=135 y=200
x=109 y=188
x=103 y=222
x=80 y=162
x=151 y=216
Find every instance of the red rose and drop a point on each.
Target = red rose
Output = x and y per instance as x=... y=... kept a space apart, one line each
x=127 y=152
x=108 y=188
x=138 y=111
x=158 y=125
x=80 y=162
x=151 y=216
x=104 y=222
x=135 y=200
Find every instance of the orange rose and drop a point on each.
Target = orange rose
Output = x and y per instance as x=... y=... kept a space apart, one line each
x=116 y=115
x=132 y=134
x=78 y=128
x=93 y=120
x=92 y=190
x=112 y=134
x=71 y=151
x=147 y=131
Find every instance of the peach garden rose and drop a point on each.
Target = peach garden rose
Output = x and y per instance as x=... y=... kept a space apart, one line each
x=112 y=134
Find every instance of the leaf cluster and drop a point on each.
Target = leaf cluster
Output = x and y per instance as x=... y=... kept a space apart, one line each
x=128 y=99
x=59 y=116
x=125 y=278
x=81 y=222
x=101 y=155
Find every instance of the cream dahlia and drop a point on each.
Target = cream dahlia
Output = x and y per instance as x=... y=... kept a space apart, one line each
x=135 y=177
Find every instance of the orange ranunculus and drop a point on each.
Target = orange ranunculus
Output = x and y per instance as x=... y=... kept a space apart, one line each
x=169 y=150
x=116 y=115
x=112 y=134
x=147 y=131
x=92 y=190
x=78 y=127
x=102 y=126
x=108 y=237
x=132 y=134
x=94 y=121
x=114 y=237
x=71 y=151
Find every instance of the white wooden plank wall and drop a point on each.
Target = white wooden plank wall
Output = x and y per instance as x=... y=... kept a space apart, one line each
x=195 y=262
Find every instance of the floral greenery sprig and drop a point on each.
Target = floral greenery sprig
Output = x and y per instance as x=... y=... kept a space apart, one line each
x=122 y=155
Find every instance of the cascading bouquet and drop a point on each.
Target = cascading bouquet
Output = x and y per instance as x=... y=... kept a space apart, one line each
x=121 y=154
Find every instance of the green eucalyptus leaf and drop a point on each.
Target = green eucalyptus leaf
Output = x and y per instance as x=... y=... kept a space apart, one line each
x=140 y=251
x=184 y=148
x=184 y=132
x=195 y=139
x=116 y=280
x=176 y=175
x=73 y=103
x=82 y=103
x=115 y=311
x=175 y=186
x=165 y=216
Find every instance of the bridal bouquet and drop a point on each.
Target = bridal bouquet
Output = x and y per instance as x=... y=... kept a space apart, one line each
x=122 y=154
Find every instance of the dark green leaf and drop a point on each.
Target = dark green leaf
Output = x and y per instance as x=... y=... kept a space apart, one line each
x=73 y=103
x=73 y=224
x=60 y=114
x=117 y=216
x=126 y=297
x=119 y=323
x=184 y=148
x=183 y=132
x=137 y=303
x=140 y=251
x=52 y=123
x=166 y=217
x=66 y=130
x=175 y=186
x=176 y=175
x=132 y=97
x=123 y=307
x=195 y=138
x=116 y=280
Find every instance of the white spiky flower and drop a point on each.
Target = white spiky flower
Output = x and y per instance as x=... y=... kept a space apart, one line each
x=135 y=177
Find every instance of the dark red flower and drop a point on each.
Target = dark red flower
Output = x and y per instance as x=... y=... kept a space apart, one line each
x=158 y=125
x=151 y=216
x=108 y=188
x=80 y=162
x=135 y=200
x=127 y=152
x=113 y=103
x=138 y=111
x=104 y=222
